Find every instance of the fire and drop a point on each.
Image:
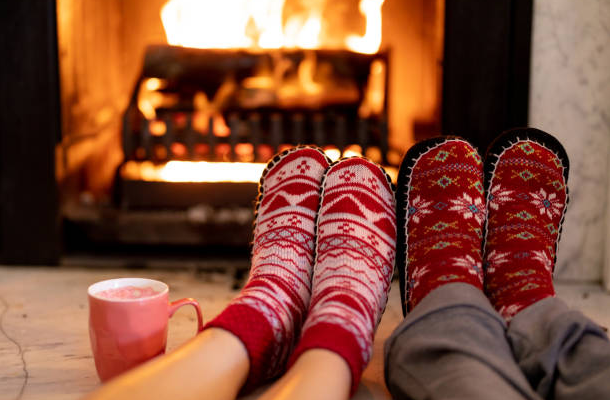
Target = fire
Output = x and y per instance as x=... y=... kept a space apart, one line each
x=193 y=171
x=204 y=171
x=256 y=25
x=369 y=43
x=262 y=24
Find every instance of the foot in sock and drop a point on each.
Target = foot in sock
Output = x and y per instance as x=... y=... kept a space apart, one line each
x=268 y=313
x=440 y=212
x=526 y=179
x=355 y=250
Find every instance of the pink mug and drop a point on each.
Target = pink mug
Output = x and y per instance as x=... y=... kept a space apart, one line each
x=128 y=322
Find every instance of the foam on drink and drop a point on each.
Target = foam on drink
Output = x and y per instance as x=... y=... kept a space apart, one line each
x=128 y=292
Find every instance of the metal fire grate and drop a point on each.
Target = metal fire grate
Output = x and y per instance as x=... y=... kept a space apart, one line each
x=273 y=129
x=243 y=122
x=173 y=135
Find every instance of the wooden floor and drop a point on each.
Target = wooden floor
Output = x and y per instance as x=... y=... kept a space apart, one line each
x=44 y=342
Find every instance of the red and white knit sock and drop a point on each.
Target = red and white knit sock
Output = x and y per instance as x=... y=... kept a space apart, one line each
x=527 y=173
x=440 y=213
x=268 y=313
x=356 y=237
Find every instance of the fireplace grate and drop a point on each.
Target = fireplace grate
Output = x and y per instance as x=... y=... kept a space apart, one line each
x=251 y=137
x=246 y=115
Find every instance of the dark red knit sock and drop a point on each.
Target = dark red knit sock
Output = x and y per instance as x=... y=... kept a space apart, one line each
x=268 y=313
x=356 y=238
x=440 y=214
x=527 y=174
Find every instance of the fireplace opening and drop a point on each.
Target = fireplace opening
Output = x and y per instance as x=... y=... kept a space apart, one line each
x=69 y=181
x=171 y=109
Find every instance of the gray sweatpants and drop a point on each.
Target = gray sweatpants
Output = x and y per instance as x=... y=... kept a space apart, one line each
x=453 y=345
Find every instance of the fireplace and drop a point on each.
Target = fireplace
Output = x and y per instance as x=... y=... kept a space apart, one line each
x=207 y=105
x=133 y=134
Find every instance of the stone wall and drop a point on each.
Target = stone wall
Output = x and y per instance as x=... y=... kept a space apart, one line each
x=570 y=97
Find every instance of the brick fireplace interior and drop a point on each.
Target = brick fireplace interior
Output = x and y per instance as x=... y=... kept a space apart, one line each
x=125 y=125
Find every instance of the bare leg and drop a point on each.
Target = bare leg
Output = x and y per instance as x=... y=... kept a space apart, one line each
x=317 y=374
x=213 y=365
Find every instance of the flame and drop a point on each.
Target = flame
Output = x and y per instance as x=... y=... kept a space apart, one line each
x=252 y=24
x=149 y=98
x=353 y=151
x=306 y=72
x=260 y=24
x=332 y=153
x=204 y=171
x=374 y=97
x=193 y=171
x=303 y=33
x=206 y=24
x=369 y=43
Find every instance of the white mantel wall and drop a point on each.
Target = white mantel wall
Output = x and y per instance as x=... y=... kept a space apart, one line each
x=570 y=97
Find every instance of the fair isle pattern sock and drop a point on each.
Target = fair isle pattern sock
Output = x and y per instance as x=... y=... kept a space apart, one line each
x=356 y=238
x=440 y=211
x=268 y=313
x=527 y=172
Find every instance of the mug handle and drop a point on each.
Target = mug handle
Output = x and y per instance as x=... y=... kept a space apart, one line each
x=175 y=305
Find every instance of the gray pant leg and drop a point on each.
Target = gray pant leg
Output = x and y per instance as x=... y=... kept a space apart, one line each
x=563 y=353
x=453 y=346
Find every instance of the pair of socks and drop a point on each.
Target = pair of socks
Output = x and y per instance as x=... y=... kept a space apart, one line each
x=493 y=224
x=322 y=261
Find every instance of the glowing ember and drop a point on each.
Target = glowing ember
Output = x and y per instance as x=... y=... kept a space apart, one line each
x=193 y=171
x=353 y=151
x=203 y=171
x=261 y=24
x=332 y=153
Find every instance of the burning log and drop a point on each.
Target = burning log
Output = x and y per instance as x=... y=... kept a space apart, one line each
x=288 y=79
x=204 y=104
x=194 y=113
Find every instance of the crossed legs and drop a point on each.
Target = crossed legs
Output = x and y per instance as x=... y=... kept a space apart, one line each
x=513 y=339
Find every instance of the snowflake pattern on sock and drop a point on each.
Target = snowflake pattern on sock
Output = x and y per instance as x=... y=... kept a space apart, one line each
x=527 y=172
x=440 y=212
x=268 y=313
x=356 y=247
